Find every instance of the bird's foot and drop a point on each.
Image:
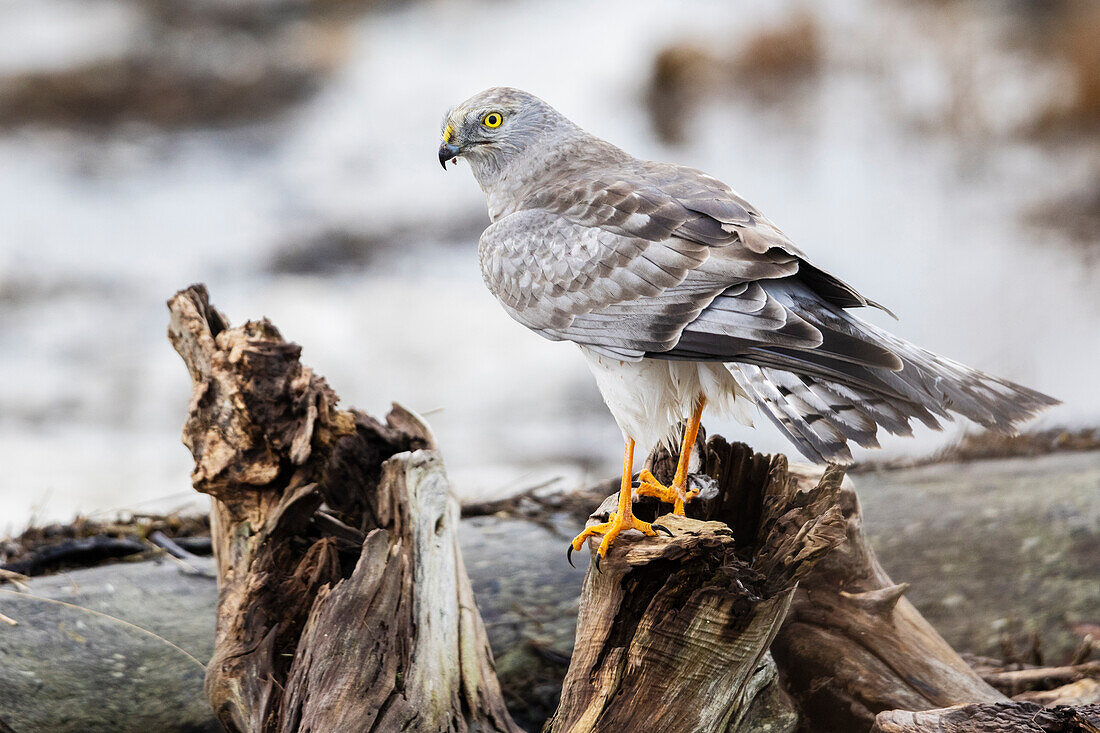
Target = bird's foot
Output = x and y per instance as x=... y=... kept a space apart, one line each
x=610 y=530
x=676 y=495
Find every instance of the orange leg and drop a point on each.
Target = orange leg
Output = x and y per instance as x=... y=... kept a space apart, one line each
x=621 y=519
x=677 y=494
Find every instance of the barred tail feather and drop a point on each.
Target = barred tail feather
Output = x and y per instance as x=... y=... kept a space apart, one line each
x=992 y=402
x=818 y=417
x=816 y=438
x=820 y=403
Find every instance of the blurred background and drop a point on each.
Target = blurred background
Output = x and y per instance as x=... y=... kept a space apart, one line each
x=943 y=156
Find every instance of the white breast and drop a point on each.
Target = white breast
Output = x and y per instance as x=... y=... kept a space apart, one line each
x=649 y=398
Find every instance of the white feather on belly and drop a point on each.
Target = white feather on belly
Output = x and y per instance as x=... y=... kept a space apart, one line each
x=649 y=398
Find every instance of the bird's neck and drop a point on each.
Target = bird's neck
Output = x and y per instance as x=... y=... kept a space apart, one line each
x=509 y=185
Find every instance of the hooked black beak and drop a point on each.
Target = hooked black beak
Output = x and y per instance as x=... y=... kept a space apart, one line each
x=446 y=152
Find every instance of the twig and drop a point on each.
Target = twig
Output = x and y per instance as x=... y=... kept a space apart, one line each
x=326 y=521
x=1002 y=680
x=179 y=555
x=17 y=579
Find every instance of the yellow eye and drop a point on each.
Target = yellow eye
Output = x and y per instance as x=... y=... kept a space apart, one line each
x=493 y=119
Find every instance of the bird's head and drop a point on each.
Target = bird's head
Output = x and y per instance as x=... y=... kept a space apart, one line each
x=492 y=128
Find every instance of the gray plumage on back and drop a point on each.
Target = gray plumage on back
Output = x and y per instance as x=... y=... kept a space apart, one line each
x=638 y=260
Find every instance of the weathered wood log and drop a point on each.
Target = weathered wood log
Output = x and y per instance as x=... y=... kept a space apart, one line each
x=343 y=602
x=852 y=646
x=673 y=634
x=1000 y=717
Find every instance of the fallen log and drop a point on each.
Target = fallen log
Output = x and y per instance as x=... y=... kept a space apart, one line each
x=75 y=552
x=343 y=602
x=1085 y=691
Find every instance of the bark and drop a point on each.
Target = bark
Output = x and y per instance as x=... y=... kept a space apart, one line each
x=852 y=645
x=673 y=634
x=343 y=601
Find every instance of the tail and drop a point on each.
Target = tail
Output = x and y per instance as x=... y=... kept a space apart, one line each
x=823 y=398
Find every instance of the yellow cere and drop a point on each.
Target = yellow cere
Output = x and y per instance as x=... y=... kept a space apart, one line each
x=448 y=133
x=493 y=119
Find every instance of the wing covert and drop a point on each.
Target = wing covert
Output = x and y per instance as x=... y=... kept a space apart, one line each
x=626 y=295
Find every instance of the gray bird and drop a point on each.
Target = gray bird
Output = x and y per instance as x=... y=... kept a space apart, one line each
x=682 y=296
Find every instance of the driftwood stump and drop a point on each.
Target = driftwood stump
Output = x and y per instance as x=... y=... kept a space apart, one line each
x=343 y=601
x=673 y=634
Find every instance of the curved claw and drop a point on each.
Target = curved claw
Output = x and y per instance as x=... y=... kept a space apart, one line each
x=661 y=528
x=596 y=562
x=569 y=555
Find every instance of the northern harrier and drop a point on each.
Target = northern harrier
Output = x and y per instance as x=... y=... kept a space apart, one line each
x=682 y=296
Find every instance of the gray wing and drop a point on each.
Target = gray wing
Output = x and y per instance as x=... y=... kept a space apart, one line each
x=626 y=294
x=671 y=263
x=661 y=201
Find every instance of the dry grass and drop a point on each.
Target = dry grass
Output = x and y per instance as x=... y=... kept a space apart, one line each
x=1082 y=50
x=144 y=89
x=1076 y=215
x=681 y=74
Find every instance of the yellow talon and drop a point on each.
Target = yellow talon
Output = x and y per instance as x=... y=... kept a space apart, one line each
x=677 y=494
x=620 y=520
x=578 y=541
x=610 y=530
